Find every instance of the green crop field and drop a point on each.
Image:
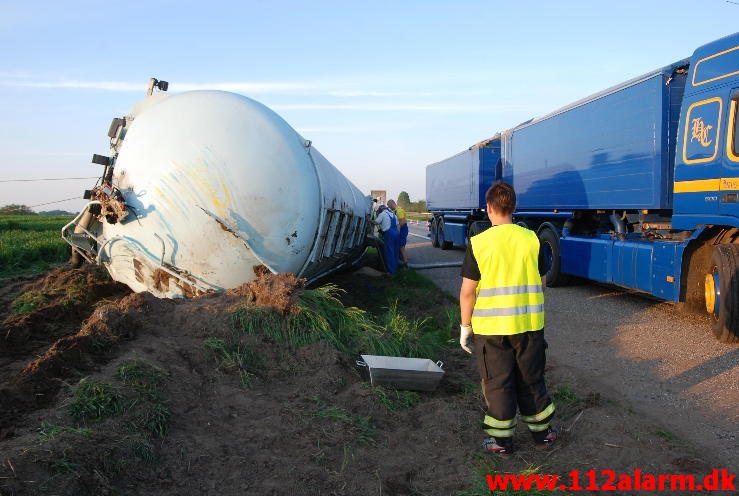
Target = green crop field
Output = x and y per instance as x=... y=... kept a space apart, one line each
x=31 y=243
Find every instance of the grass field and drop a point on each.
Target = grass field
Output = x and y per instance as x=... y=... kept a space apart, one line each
x=31 y=243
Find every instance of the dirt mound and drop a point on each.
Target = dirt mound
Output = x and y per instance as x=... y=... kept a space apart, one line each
x=36 y=385
x=40 y=312
x=172 y=397
x=278 y=291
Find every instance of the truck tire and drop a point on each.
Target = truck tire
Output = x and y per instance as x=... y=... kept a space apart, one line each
x=722 y=293
x=443 y=243
x=550 y=242
x=434 y=233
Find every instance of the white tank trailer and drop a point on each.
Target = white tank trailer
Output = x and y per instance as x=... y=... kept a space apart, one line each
x=201 y=187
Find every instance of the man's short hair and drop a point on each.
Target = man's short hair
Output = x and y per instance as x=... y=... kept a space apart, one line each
x=501 y=197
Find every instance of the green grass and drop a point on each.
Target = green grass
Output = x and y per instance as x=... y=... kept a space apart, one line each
x=145 y=379
x=48 y=431
x=489 y=465
x=234 y=357
x=143 y=450
x=360 y=425
x=77 y=292
x=154 y=420
x=563 y=394
x=472 y=388
x=139 y=395
x=27 y=302
x=130 y=411
x=322 y=316
x=31 y=243
x=67 y=466
x=393 y=399
x=399 y=335
x=93 y=400
x=670 y=437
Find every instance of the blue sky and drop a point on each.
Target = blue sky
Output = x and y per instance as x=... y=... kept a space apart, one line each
x=381 y=88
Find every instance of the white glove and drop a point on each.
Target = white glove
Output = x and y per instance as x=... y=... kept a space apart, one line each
x=465 y=335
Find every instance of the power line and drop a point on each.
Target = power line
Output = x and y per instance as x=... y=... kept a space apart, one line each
x=46 y=179
x=58 y=201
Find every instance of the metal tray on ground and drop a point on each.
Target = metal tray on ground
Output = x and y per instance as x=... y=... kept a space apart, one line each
x=415 y=374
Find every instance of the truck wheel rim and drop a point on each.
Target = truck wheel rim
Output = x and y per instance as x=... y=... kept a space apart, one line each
x=713 y=292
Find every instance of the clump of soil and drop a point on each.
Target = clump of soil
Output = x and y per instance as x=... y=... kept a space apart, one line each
x=277 y=291
x=40 y=312
x=249 y=416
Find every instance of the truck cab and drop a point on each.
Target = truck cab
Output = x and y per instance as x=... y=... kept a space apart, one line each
x=707 y=156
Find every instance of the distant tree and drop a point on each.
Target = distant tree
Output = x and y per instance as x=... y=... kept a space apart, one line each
x=417 y=206
x=55 y=212
x=14 y=209
x=404 y=201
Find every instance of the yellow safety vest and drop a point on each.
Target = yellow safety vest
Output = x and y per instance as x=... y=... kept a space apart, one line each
x=510 y=299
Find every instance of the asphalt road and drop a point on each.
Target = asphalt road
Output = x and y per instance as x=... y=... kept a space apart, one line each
x=664 y=362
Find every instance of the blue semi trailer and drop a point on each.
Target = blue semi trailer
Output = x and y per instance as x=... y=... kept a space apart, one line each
x=637 y=185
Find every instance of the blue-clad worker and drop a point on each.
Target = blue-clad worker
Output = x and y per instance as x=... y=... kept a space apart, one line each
x=502 y=307
x=388 y=225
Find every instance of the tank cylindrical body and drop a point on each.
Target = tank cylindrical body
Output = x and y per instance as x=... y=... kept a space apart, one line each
x=215 y=184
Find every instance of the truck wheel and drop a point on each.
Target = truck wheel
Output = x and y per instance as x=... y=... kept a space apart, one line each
x=722 y=293
x=443 y=243
x=550 y=245
x=434 y=233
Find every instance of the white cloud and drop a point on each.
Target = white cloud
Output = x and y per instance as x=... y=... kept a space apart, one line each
x=341 y=90
x=357 y=129
x=88 y=85
x=401 y=107
x=122 y=86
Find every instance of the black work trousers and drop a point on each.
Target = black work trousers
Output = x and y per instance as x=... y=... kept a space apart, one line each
x=512 y=373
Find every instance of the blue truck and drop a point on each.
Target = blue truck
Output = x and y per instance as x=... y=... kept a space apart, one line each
x=636 y=185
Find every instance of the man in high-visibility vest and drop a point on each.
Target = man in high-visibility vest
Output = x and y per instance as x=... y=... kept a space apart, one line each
x=502 y=307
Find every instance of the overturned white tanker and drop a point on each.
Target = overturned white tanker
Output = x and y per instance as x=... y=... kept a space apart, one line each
x=202 y=187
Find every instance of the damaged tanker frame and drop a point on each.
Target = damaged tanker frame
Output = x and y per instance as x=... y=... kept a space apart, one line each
x=201 y=187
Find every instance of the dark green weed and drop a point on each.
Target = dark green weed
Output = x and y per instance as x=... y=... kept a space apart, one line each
x=28 y=302
x=48 y=431
x=93 y=400
x=361 y=425
x=393 y=399
x=563 y=394
x=154 y=419
x=142 y=377
x=234 y=357
x=322 y=316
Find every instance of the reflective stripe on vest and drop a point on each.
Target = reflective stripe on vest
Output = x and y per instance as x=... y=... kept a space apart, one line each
x=509 y=294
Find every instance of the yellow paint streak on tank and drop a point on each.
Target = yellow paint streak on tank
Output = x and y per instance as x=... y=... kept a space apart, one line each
x=185 y=186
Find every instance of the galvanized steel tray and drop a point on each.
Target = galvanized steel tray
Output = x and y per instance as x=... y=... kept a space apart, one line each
x=415 y=374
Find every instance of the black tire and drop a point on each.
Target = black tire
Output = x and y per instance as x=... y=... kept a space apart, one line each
x=725 y=264
x=434 y=233
x=693 y=281
x=554 y=276
x=478 y=227
x=443 y=243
